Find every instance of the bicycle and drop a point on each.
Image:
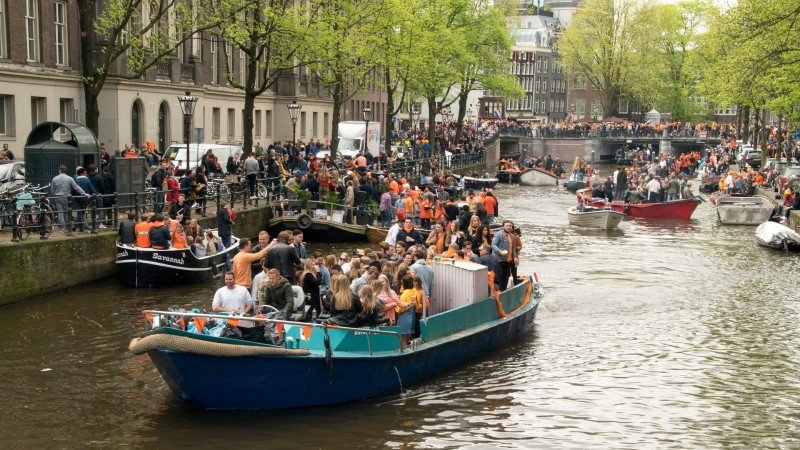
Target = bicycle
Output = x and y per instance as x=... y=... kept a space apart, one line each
x=34 y=215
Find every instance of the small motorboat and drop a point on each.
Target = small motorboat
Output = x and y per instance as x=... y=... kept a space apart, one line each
x=775 y=235
x=672 y=210
x=323 y=222
x=478 y=182
x=508 y=176
x=536 y=176
x=733 y=210
x=591 y=217
x=149 y=267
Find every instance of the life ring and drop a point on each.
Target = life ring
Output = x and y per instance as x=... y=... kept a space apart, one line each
x=304 y=221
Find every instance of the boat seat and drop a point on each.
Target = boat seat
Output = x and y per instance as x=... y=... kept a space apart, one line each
x=300 y=307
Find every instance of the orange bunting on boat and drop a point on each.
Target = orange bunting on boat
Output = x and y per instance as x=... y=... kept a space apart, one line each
x=199 y=324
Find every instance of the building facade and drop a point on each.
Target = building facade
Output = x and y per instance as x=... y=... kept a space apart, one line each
x=41 y=80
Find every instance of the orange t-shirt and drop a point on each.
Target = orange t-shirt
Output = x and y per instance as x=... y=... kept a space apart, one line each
x=490 y=204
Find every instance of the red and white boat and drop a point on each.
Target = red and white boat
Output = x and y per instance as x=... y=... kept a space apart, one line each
x=672 y=210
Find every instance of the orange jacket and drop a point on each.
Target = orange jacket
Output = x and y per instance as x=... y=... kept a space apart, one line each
x=142 y=231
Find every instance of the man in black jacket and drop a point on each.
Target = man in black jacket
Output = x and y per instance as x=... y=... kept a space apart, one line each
x=488 y=259
x=408 y=234
x=283 y=256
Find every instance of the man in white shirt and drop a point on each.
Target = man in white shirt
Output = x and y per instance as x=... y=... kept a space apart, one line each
x=653 y=189
x=233 y=298
x=391 y=235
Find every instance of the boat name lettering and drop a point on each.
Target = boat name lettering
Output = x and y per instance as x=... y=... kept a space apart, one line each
x=122 y=254
x=158 y=257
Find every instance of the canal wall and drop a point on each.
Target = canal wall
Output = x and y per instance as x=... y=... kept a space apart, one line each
x=37 y=267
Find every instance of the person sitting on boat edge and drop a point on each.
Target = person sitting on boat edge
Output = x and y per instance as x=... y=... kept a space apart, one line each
x=127 y=230
x=160 y=234
x=197 y=246
x=345 y=306
x=277 y=292
x=212 y=244
x=142 y=230
x=408 y=234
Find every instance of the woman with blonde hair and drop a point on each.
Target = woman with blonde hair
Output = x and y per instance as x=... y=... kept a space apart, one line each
x=355 y=269
x=372 y=314
x=330 y=260
x=452 y=235
x=345 y=306
x=437 y=238
x=387 y=295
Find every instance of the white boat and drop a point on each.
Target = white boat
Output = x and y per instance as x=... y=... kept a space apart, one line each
x=744 y=210
x=537 y=177
x=590 y=217
x=775 y=235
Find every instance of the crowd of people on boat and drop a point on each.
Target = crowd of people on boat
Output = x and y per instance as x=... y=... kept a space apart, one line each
x=390 y=285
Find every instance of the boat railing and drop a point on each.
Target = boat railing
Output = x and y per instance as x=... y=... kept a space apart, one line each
x=292 y=207
x=366 y=331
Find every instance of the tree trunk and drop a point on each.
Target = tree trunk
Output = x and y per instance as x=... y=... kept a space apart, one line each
x=389 y=112
x=92 y=81
x=744 y=132
x=247 y=119
x=336 y=116
x=433 y=110
x=462 y=109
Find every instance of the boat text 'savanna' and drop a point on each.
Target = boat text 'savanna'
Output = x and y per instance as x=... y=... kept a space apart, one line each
x=150 y=267
x=332 y=364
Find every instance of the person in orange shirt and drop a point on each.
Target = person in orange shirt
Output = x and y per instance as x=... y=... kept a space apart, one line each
x=178 y=236
x=142 y=230
x=425 y=212
x=243 y=261
x=490 y=203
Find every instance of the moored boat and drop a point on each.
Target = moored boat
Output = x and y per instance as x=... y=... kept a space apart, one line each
x=775 y=235
x=149 y=267
x=335 y=364
x=478 y=182
x=591 y=217
x=536 y=176
x=324 y=223
x=733 y=210
x=671 y=210
x=508 y=176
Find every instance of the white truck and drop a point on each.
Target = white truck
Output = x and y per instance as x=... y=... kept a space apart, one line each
x=351 y=138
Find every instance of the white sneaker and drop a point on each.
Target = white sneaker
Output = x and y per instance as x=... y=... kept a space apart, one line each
x=102 y=226
x=253 y=197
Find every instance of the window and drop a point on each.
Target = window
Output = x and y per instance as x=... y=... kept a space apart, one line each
x=268 y=129
x=215 y=113
x=580 y=82
x=302 y=124
x=551 y=105
x=3 y=42
x=32 y=30
x=6 y=114
x=38 y=110
x=580 y=108
x=623 y=106
x=314 y=120
x=231 y=123
x=538 y=84
x=597 y=109
x=544 y=66
x=257 y=123
x=66 y=107
x=214 y=71
x=61 y=33
x=325 y=121
x=538 y=64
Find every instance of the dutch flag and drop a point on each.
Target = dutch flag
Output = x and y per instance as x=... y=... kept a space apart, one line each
x=498 y=113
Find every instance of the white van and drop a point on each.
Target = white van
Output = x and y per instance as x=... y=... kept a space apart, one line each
x=177 y=154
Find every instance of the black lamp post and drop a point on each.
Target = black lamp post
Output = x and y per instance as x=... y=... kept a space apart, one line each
x=188 y=102
x=595 y=110
x=294 y=113
x=415 y=118
x=367 y=112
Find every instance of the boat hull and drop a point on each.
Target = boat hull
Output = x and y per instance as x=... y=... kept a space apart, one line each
x=197 y=378
x=672 y=210
x=775 y=235
x=744 y=210
x=479 y=183
x=595 y=218
x=505 y=176
x=149 y=267
x=376 y=235
x=537 y=177
x=320 y=230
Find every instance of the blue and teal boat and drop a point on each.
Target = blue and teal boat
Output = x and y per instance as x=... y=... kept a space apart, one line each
x=322 y=365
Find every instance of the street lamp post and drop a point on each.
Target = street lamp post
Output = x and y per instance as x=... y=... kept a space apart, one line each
x=188 y=102
x=415 y=118
x=294 y=113
x=367 y=112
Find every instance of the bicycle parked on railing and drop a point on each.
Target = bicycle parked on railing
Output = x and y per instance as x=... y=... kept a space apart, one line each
x=34 y=212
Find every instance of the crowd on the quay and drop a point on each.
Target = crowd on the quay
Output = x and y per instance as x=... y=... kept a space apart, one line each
x=389 y=285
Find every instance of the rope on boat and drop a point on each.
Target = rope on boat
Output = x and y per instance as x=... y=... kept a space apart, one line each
x=496 y=295
x=200 y=347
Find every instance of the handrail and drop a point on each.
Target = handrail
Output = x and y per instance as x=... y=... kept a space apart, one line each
x=265 y=320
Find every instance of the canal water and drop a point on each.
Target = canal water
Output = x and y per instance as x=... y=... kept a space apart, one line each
x=657 y=335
